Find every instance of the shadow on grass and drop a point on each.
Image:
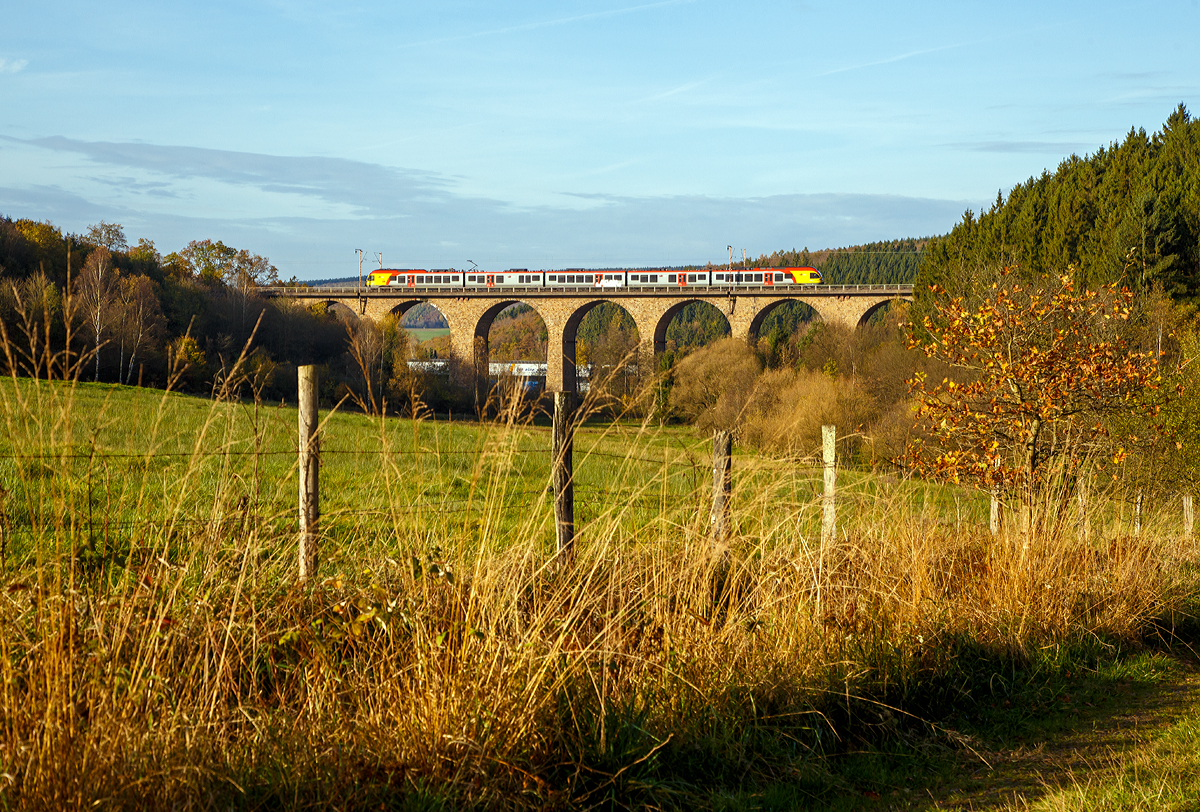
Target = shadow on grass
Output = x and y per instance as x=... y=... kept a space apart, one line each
x=1022 y=734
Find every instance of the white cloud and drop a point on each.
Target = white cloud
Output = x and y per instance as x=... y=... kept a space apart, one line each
x=12 y=65
x=308 y=213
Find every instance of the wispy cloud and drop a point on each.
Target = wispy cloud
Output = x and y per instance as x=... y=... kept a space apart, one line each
x=419 y=218
x=684 y=88
x=892 y=59
x=12 y=65
x=370 y=188
x=1033 y=147
x=595 y=15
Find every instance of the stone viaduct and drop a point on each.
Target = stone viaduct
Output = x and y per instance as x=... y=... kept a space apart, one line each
x=470 y=312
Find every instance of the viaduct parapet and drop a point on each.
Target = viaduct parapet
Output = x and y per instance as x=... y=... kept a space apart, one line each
x=471 y=311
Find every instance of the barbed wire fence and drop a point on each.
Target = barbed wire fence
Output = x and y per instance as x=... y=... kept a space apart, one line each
x=681 y=478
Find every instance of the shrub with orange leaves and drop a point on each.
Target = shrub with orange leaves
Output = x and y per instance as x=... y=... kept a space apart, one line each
x=1042 y=369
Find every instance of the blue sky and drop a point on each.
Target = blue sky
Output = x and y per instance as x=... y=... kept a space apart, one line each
x=539 y=134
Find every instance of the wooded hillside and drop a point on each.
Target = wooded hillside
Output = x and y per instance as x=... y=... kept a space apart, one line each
x=1128 y=213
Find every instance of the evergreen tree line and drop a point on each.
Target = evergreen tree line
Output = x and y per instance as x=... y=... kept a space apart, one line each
x=1130 y=213
x=891 y=262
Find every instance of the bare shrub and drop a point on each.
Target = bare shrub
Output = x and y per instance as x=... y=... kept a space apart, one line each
x=713 y=385
x=789 y=407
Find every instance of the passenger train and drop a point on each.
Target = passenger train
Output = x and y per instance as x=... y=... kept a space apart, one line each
x=575 y=278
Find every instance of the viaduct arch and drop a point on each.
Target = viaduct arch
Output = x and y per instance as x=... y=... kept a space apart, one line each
x=470 y=317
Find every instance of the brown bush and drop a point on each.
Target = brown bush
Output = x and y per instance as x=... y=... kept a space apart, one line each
x=789 y=407
x=713 y=385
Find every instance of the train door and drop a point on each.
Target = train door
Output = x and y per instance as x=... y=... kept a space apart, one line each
x=491 y=280
x=769 y=277
x=683 y=280
x=412 y=280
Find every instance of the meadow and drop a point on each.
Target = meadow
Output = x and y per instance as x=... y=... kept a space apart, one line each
x=423 y=334
x=158 y=651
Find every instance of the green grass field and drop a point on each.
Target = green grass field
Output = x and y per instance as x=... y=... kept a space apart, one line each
x=422 y=334
x=123 y=453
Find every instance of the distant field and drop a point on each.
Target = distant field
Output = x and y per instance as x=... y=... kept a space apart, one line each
x=422 y=334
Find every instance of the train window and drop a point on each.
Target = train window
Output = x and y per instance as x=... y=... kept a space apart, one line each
x=816 y=276
x=691 y=277
x=670 y=278
x=720 y=277
x=758 y=277
x=454 y=279
x=500 y=279
x=778 y=277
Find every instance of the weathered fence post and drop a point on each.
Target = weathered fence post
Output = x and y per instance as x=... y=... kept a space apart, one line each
x=995 y=517
x=561 y=435
x=309 y=473
x=1085 y=515
x=828 y=505
x=1189 y=516
x=722 y=485
x=1137 y=515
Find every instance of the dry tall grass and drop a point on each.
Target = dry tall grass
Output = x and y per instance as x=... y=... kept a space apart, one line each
x=452 y=663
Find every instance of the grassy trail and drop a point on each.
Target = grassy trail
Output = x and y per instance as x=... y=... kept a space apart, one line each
x=1123 y=737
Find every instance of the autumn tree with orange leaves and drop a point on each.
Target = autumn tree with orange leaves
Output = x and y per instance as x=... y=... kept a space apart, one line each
x=1039 y=373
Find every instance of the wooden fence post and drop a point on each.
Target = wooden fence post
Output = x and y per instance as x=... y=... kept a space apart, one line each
x=828 y=504
x=722 y=485
x=562 y=440
x=1085 y=515
x=309 y=471
x=1189 y=516
x=1137 y=515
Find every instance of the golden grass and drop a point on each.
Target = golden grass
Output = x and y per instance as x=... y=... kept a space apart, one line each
x=445 y=659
